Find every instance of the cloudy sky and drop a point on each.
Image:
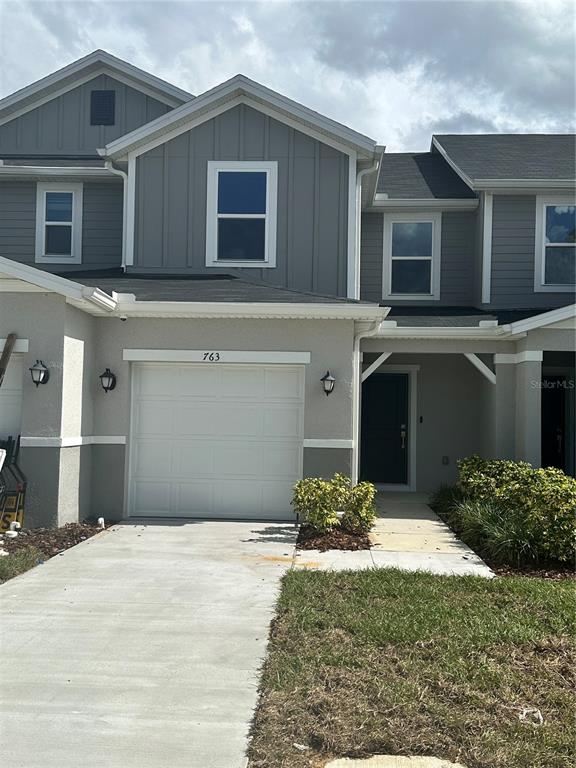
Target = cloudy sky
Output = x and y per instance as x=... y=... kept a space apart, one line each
x=397 y=71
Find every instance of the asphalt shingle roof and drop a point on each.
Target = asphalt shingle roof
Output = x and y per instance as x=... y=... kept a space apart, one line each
x=420 y=176
x=512 y=156
x=219 y=288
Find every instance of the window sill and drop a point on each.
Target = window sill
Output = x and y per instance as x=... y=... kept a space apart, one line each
x=58 y=260
x=241 y=264
x=410 y=297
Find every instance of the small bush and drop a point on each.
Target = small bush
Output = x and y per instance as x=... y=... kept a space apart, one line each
x=318 y=501
x=512 y=512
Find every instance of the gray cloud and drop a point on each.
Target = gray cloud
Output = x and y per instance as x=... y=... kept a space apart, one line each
x=395 y=70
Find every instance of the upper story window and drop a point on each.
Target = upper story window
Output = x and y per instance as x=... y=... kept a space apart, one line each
x=241 y=214
x=555 y=244
x=102 y=107
x=412 y=256
x=59 y=223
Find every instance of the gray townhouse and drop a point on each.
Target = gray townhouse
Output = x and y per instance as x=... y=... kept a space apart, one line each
x=215 y=295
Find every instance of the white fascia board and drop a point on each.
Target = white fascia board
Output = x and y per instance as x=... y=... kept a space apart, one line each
x=525 y=185
x=466 y=179
x=76 y=292
x=58 y=171
x=278 y=310
x=226 y=92
x=542 y=320
x=462 y=204
x=99 y=62
x=437 y=332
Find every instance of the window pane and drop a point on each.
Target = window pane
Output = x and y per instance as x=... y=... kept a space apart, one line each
x=560 y=224
x=560 y=266
x=59 y=206
x=58 y=241
x=409 y=276
x=241 y=192
x=241 y=239
x=412 y=238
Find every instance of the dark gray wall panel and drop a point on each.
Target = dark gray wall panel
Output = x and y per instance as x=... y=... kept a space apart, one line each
x=513 y=253
x=170 y=216
x=101 y=226
x=62 y=125
x=457 y=259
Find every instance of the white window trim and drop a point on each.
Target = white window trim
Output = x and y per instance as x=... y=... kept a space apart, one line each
x=271 y=169
x=77 y=202
x=389 y=220
x=540 y=243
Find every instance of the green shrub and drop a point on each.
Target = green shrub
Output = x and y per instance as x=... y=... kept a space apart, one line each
x=534 y=510
x=318 y=501
x=444 y=502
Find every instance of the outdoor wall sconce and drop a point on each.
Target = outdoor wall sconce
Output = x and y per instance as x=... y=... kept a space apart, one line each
x=328 y=382
x=39 y=372
x=108 y=380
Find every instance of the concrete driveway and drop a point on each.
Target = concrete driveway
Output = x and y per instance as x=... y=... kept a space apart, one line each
x=140 y=648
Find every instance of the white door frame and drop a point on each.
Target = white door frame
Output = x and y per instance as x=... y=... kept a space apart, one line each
x=412 y=372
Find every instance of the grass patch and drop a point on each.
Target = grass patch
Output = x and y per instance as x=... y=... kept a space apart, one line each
x=415 y=664
x=18 y=562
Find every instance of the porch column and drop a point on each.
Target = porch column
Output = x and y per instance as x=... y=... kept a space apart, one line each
x=529 y=407
x=504 y=406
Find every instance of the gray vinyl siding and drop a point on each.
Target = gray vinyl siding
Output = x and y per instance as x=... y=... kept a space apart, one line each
x=457 y=260
x=513 y=255
x=61 y=126
x=101 y=225
x=170 y=216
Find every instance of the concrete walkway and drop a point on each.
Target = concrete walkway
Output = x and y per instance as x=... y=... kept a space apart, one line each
x=407 y=535
x=140 y=648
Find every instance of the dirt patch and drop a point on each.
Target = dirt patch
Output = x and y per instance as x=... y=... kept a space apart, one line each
x=338 y=539
x=556 y=574
x=51 y=541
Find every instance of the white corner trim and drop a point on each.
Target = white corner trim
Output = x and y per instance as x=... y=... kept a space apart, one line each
x=20 y=345
x=214 y=356
x=130 y=211
x=481 y=366
x=519 y=357
x=328 y=443
x=487 y=249
x=353 y=254
x=373 y=366
x=71 y=442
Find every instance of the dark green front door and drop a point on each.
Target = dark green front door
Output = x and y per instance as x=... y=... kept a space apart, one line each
x=384 y=436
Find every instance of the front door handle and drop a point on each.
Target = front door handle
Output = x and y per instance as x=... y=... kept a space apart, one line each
x=559 y=440
x=403 y=436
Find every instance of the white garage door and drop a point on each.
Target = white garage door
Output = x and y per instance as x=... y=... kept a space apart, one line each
x=215 y=440
x=11 y=399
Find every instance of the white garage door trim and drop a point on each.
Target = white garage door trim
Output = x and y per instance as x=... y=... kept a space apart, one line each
x=214 y=355
x=190 y=428
x=11 y=397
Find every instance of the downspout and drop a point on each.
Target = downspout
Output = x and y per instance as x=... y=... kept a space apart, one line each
x=359 y=176
x=373 y=330
x=109 y=165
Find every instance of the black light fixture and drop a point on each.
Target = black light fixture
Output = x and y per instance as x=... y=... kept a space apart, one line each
x=39 y=372
x=108 y=380
x=328 y=382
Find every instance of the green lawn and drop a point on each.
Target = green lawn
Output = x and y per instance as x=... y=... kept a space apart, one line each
x=404 y=663
x=19 y=561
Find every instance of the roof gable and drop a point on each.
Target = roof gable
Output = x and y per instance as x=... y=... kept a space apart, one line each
x=239 y=90
x=85 y=69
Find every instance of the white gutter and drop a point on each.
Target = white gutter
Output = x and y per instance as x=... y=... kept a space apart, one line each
x=124 y=176
x=50 y=171
x=464 y=204
x=356 y=267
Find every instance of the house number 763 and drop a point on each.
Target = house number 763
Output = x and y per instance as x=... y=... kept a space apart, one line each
x=211 y=357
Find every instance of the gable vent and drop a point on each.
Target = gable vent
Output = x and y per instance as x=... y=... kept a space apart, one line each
x=102 y=104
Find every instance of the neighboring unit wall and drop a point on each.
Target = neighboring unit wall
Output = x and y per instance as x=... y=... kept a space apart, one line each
x=170 y=226
x=101 y=225
x=513 y=254
x=457 y=275
x=61 y=126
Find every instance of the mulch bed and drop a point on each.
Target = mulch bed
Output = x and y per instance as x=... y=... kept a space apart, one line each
x=51 y=541
x=308 y=538
x=556 y=574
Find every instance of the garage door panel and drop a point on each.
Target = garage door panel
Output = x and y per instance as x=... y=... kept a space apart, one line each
x=216 y=440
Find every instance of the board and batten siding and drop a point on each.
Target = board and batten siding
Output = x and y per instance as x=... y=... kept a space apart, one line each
x=513 y=255
x=61 y=126
x=101 y=225
x=457 y=260
x=170 y=214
